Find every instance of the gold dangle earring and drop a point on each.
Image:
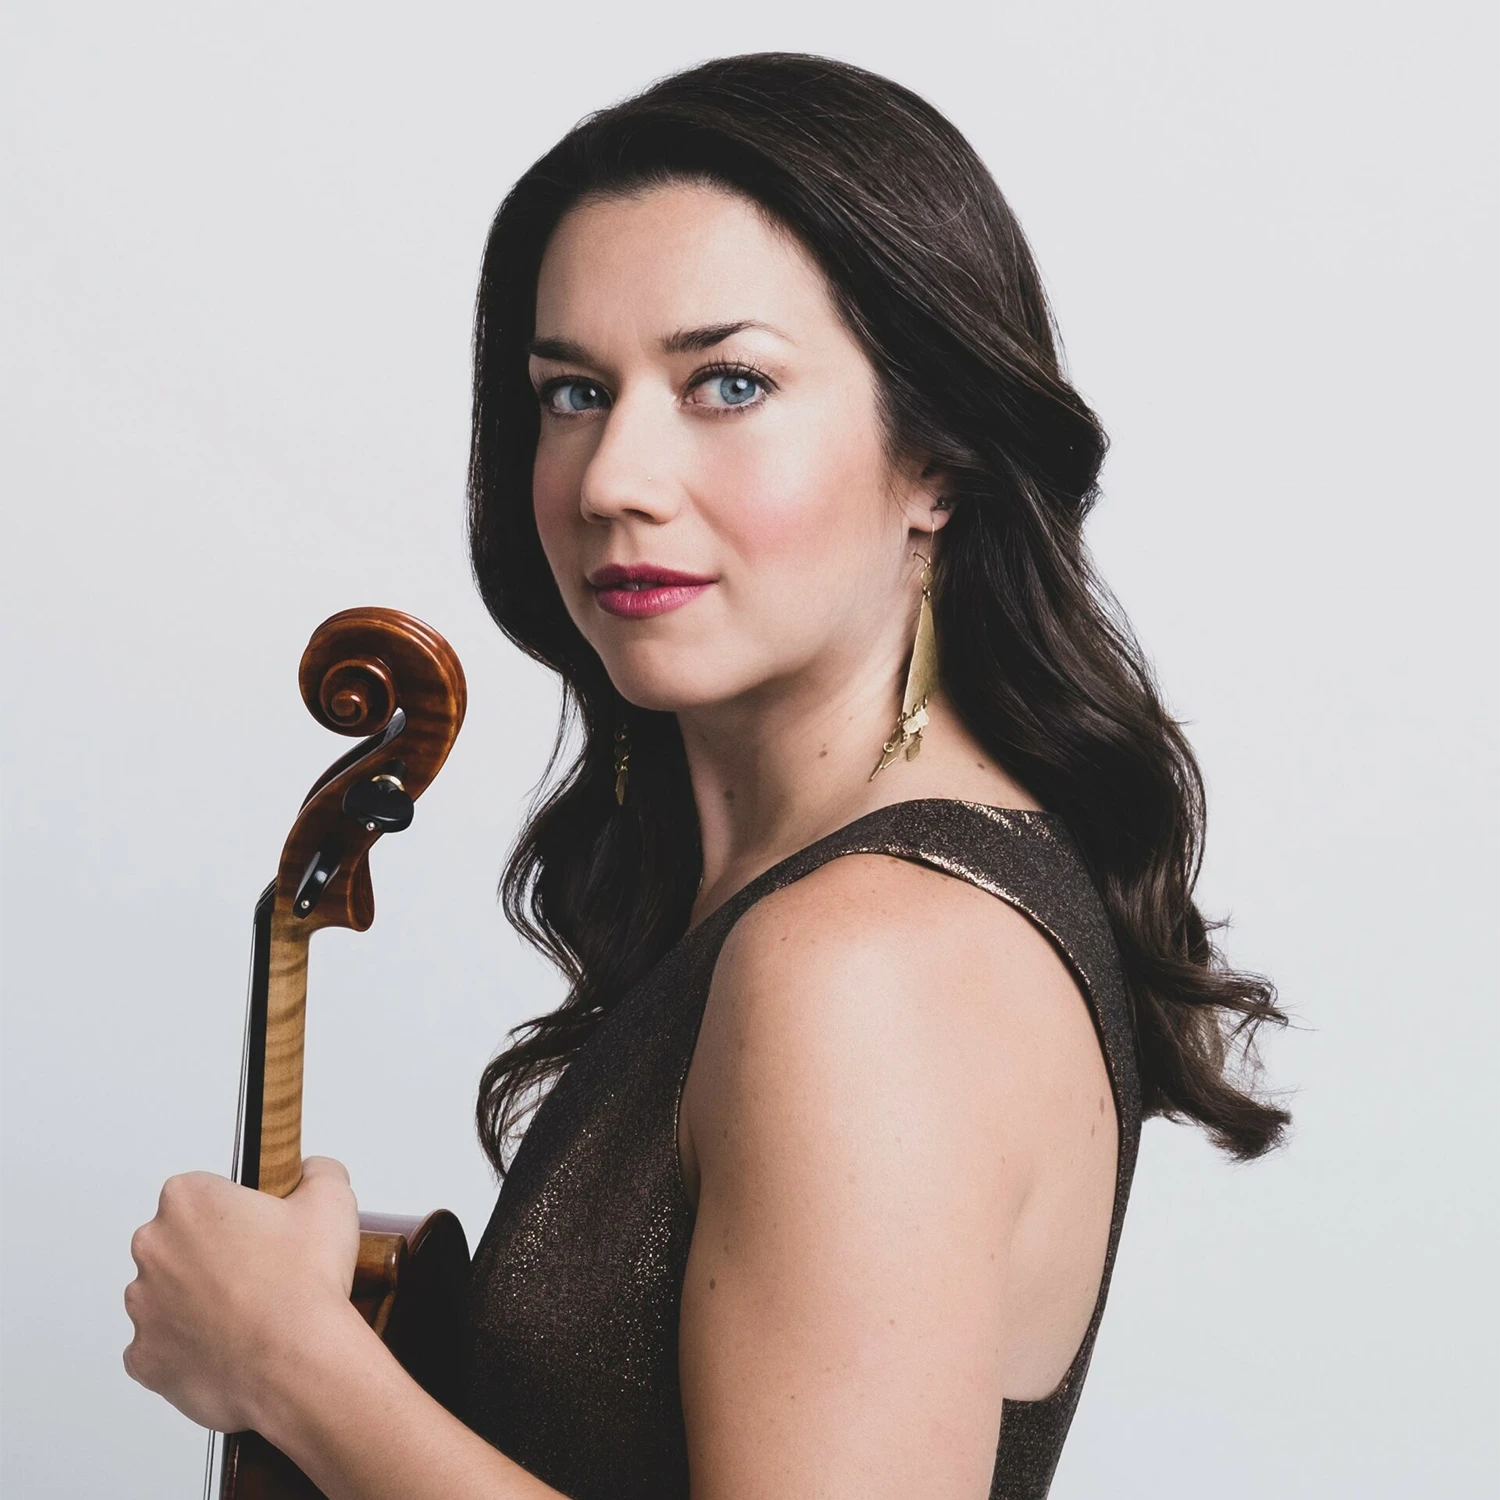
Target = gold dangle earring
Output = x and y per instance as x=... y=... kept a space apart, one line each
x=906 y=738
x=622 y=760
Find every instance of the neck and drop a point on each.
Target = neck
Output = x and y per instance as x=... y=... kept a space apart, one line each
x=772 y=777
x=763 y=773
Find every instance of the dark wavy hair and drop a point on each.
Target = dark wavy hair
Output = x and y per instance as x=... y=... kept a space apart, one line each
x=930 y=270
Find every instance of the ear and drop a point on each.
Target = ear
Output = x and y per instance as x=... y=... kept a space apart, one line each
x=924 y=498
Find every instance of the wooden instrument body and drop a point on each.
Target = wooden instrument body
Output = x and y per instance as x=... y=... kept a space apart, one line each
x=409 y=1285
x=391 y=678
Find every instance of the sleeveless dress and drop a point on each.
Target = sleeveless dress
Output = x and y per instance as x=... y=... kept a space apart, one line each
x=572 y=1316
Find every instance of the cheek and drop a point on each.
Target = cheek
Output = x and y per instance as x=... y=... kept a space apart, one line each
x=808 y=505
x=554 y=505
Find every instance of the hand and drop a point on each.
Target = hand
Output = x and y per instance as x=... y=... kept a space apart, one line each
x=230 y=1280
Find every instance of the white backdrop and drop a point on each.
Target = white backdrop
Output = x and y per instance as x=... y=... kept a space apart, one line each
x=240 y=249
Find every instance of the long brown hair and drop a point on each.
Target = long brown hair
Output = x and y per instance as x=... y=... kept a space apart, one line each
x=933 y=276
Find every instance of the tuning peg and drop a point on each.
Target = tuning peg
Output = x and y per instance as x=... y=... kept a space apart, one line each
x=382 y=804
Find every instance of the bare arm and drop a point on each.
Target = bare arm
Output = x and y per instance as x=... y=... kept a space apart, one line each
x=361 y=1428
x=894 y=1072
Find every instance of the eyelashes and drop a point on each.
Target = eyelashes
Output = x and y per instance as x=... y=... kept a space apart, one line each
x=549 y=388
x=732 y=371
x=735 y=370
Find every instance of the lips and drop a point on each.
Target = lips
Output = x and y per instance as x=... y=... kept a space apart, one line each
x=622 y=575
x=636 y=590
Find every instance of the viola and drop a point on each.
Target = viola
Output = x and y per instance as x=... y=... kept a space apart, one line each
x=396 y=682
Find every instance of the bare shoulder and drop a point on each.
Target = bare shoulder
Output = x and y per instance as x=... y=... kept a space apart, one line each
x=876 y=978
x=894 y=906
x=886 y=951
x=903 y=1172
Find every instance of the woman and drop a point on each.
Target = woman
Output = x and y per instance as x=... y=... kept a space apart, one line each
x=774 y=463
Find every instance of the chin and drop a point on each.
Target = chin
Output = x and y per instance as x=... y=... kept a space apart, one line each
x=670 y=681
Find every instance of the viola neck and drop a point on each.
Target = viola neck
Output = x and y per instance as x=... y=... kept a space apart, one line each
x=268 y=1137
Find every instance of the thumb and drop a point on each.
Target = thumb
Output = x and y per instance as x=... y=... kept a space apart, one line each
x=322 y=1176
x=324 y=1166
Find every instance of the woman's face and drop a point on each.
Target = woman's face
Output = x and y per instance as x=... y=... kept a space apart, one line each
x=705 y=411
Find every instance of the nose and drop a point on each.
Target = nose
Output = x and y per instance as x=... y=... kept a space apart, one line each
x=618 y=481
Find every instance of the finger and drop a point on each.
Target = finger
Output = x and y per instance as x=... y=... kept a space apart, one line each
x=182 y=1191
x=326 y=1167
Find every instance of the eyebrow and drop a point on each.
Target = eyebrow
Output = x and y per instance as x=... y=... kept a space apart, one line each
x=686 y=339
x=564 y=350
x=683 y=341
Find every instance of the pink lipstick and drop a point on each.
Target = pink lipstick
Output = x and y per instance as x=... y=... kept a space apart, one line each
x=638 y=590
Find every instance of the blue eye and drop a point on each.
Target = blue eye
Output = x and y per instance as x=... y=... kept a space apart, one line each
x=736 y=388
x=577 y=395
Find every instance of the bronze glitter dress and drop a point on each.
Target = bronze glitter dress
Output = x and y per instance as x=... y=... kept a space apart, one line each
x=577 y=1281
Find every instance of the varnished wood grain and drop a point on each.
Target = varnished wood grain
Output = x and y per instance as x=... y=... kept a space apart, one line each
x=286 y=1029
x=359 y=668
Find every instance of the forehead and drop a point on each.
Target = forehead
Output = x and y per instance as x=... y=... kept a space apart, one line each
x=674 y=255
